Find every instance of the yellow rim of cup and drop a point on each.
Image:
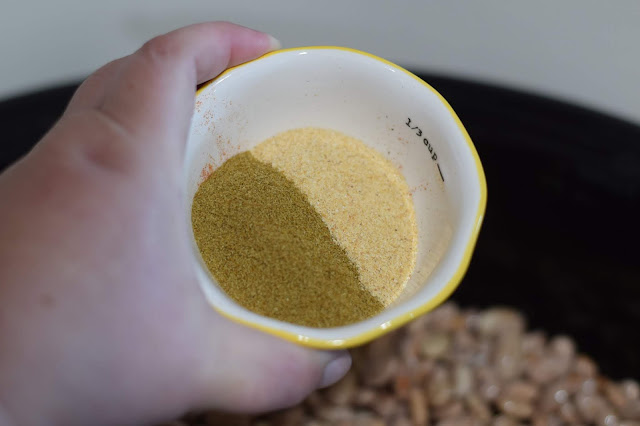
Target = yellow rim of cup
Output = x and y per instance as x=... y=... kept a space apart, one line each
x=451 y=285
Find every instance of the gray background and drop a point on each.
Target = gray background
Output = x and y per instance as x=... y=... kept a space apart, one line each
x=584 y=51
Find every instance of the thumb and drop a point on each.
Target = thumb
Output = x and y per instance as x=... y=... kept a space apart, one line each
x=144 y=102
x=252 y=372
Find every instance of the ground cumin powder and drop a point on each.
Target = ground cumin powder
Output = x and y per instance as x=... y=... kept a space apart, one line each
x=270 y=250
x=311 y=227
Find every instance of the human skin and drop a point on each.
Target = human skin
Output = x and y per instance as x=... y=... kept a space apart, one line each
x=101 y=318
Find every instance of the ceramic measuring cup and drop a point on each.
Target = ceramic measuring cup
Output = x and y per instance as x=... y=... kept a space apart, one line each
x=387 y=108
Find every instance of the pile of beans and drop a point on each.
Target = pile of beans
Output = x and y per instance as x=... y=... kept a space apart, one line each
x=461 y=368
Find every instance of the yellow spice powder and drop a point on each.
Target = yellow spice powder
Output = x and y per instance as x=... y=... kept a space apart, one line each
x=363 y=199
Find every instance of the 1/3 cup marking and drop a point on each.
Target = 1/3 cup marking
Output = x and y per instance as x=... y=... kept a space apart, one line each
x=425 y=141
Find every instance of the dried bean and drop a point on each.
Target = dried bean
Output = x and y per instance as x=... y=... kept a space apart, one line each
x=477 y=407
x=382 y=373
x=435 y=346
x=378 y=363
x=514 y=408
x=614 y=393
x=454 y=368
x=489 y=386
x=521 y=391
x=608 y=419
x=418 y=325
x=409 y=351
x=563 y=346
x=386 y=405
x=500 y=320
x=367 y=419
x=451 y=410
x=445 y=317
x=490 y=391
x=472 y=321
x=401 y=421
x=314 y=422
x=585 y=366
x=631 y=410
x=546 y=420
x=456 y=421
x=365 y=397
x=402 y=385
x=631 y=389
x=569 y=413
x=546 y=370
x=572 y=382
x=502 y=420
x=509 y=355
x=534 y=344
x=439 y=389
x=335 y=413
x=553 y=396
x=418 y=407
x=482 y=354
x=588 y=406
x=463 y=340
x=344 y=391
x=589 y=387
x=606 y=415
x=462 y=380
x=421 y=371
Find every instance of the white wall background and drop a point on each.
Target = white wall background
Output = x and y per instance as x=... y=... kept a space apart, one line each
x=584 y=51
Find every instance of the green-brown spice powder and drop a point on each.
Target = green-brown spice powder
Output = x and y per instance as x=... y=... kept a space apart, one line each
x=270 y=250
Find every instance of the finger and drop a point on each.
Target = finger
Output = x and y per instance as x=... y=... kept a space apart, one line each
x=154 y=96
x=249 y=371
x=133 y=115
x=92 y=91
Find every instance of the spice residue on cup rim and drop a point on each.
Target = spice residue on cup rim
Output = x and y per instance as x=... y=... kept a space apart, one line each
x=311 y=227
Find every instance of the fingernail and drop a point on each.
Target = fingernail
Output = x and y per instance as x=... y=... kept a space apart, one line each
x=335 y=370
x=274 y=43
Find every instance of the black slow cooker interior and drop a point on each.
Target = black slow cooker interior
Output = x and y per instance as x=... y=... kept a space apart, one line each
x=561 y=234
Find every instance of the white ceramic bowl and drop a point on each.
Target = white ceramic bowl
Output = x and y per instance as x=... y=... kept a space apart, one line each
x=387 y=108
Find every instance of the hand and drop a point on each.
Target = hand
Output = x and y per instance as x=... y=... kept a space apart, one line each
x=101 y=319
